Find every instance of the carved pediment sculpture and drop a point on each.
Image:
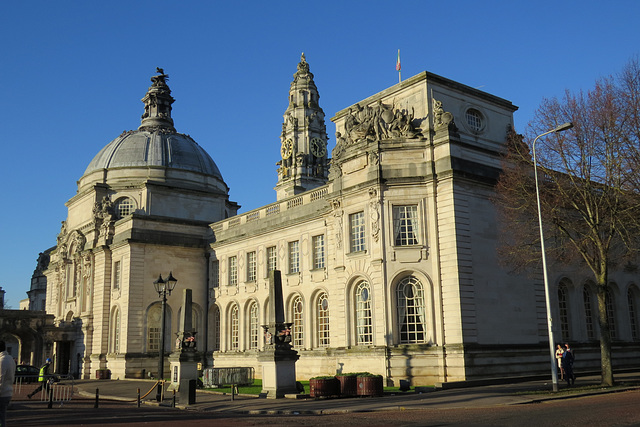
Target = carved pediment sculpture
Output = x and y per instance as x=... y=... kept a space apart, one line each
x=379 y=122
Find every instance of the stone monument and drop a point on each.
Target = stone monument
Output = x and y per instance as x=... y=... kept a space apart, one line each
x=183 y=360
x=278 y=359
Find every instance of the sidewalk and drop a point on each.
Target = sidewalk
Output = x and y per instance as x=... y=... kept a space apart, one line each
x=471 y=397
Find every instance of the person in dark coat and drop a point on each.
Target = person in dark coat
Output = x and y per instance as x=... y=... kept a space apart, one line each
x=567 y=365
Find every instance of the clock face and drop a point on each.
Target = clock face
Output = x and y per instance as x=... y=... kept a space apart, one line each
x=286 y=149
x=317 y=147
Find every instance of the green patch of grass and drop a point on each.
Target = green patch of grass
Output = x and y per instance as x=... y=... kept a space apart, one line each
x=256 y=388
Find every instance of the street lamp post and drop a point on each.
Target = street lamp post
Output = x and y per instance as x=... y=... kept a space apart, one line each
x=163 y=287
x=552 y=351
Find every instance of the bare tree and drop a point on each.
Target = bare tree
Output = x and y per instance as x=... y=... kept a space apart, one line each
x=589 y=185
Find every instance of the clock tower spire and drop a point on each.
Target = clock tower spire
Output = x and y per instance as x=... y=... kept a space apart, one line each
x=303 y=141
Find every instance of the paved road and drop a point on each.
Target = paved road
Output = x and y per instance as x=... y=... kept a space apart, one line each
x=476 y=405
x=613 y=409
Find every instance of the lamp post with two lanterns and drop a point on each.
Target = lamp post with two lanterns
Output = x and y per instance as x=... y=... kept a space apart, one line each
x=163 y=287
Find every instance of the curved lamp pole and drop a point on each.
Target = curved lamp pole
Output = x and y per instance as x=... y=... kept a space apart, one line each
x=552 y=350
x=163 y=287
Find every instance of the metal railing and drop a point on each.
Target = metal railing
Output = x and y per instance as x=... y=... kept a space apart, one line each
x=55 y=388
x=216 y=377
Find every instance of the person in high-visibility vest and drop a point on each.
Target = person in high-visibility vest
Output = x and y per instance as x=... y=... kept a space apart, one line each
x=42 y=378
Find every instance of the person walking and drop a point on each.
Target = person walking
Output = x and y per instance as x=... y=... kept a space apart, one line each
x=42 y=379
x=7 y=376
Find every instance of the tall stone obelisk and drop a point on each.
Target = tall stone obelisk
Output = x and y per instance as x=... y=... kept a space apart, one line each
x=278 y=359
x=183 y=360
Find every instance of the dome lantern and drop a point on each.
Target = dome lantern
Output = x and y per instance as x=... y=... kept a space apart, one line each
x=157 y=104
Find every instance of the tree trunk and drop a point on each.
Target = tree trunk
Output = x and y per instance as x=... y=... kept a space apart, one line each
x=605 y=337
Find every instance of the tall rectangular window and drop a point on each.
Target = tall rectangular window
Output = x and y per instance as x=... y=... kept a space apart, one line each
x=116 y=275
x=405 y=225
x=215 y=274
x=356 y=227
x=251 y=266
x=233 y=271
x=272 y=259
x=318 y=251
x=294 y=257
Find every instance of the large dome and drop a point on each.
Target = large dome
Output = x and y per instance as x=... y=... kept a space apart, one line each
x=156 y=142
x=144 y=148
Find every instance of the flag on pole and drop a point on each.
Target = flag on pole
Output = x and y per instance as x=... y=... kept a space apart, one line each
x=398 y=62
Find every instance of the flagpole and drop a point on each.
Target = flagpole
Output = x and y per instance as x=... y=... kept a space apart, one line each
x=398 y=67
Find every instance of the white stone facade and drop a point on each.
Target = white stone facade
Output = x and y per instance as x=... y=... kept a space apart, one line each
x=387 y=249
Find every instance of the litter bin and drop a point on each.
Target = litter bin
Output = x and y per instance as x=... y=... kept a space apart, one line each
x=187 y=392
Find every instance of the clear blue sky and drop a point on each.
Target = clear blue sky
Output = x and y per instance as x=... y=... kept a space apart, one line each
x=72 y=74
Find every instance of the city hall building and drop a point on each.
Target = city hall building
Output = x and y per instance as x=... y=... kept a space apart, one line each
x=386 y=242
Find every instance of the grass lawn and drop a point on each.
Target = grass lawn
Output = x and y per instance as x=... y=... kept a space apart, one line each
x=256 y=388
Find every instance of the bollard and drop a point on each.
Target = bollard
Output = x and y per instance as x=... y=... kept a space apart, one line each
x=173 y=402
x=50 y=398
x=95 y=405
x=138 y=397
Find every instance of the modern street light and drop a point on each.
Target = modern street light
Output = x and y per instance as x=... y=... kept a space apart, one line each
x=163 y=287
x=554 y=368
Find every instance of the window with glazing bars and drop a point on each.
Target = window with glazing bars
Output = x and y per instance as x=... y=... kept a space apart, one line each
x=272 y=259
x=233 y=271
x=322 y=320
x=364 y=323
x=405 y=225
x=298 y=322
x=251 y=266
x=254 y=327
x=318 y=251
x=356 y=223
x=235 y=328
x=294 y=257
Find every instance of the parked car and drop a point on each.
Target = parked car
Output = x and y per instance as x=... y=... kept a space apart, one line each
x=27 y=373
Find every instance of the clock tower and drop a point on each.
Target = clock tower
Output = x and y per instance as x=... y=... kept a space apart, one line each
x=303 y=142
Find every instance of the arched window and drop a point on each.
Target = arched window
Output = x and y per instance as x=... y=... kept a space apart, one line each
x=364 y=322
x=322 y=320
x=611 y=318
x=214 y=329
x=411 y=313
x=563 y=307
x=234 y=324
x=154 y=327
x=298 y=322
x=632 y=294
x=114 y=331
x=588 y=312
x=254 y=325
